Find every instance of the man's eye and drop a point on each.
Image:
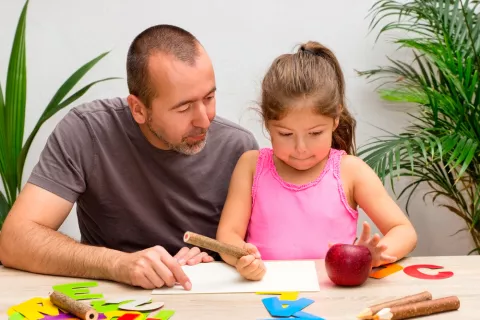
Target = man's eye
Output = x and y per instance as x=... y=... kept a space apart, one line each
x=183 y=108
x=283 y=134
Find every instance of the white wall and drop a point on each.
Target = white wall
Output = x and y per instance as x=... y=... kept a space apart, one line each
x=242 y=38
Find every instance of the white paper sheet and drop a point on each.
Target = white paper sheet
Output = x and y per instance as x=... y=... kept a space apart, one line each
x=218 y=277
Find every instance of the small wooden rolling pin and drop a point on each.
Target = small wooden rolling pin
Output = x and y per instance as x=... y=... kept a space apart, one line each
x=372 y=310
x=421 y=308
x=214 y=245
x=77 y=308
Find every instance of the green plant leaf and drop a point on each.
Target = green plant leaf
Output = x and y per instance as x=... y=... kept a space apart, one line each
x=46 y=116
x=4 y=208
x=3 y=135
x=14 y=107
x=440 y=147
x=12 y=113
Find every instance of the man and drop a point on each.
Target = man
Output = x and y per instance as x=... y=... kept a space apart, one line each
x=142 y=171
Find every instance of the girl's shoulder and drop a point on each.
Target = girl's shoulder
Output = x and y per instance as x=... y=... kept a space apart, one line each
x=351 y=162
x=249 y=159
x=255 y=160
x=353 y=168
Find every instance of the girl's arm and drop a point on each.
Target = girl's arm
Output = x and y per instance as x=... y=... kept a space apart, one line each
x=238 y=205
x=369 y=193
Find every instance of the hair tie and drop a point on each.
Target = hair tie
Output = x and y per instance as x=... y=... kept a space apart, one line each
x=318 y=54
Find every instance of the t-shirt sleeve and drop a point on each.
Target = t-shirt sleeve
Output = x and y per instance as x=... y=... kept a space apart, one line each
x=66 y=160
x=254 y=141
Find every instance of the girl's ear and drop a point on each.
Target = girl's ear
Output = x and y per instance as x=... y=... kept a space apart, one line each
x=337 y=119
x=335 y=123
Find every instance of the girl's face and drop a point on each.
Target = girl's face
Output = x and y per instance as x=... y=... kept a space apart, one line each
x=302 y=138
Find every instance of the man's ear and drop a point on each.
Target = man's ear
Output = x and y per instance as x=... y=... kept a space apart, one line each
x=138 y=109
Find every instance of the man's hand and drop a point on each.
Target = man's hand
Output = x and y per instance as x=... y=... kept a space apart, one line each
x=192 y=256
x=251 y=267
x=150 y=268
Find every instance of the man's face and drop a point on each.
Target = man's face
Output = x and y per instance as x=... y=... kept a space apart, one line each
x=180 y=115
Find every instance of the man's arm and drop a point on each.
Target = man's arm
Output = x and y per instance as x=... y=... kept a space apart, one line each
x=29 y=241
x=30 y=229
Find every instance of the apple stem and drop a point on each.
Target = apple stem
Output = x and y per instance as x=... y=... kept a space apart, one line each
x=355 y=240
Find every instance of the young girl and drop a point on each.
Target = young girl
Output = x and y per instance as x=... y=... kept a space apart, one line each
x=292 y=201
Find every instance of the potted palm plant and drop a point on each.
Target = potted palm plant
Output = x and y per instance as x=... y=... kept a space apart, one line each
x=13 y=148
x=440 y=148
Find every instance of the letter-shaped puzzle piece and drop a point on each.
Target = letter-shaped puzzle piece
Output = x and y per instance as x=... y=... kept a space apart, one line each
x=78 y=291
x=386 y=270
x=15 y=316
x=103 y=306
x=35 y=309
x=283 y=295
x=275 y=308
x=305 y=315
x=414 y=272
x=137 y=303
x=129 y=316
x=119 y=314
x=163 y=315
x=69 y=316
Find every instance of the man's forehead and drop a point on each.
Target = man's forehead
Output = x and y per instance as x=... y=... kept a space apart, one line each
x=175 y=80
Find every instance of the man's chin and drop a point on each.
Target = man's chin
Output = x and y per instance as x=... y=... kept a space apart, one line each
x=191 y=147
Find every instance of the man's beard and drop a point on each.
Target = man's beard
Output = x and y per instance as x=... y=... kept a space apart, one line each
x=183 y=147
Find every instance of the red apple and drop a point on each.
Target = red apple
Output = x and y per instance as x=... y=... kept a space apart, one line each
x=348 y=264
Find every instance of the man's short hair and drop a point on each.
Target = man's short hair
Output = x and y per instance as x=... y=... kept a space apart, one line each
x=167 y=39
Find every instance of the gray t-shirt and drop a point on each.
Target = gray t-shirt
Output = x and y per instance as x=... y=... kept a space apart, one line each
x=129 y=194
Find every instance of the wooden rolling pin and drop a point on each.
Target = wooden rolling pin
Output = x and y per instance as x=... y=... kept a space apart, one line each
x=421 y=308
x=369 y=312
x=77 y=308
x=213 y=245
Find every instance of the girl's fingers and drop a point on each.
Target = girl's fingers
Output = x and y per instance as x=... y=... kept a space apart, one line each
x=387 y=258
x=365 y=233
x=374 y=240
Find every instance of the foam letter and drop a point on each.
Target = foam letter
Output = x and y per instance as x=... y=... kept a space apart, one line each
x=137 y=303
x=35 y=309
x=78 y=291
x=163 y=315
x=275 y=308
x=283 y=295
x=14 y=315
x=128 y=316
x=414 y=272
x=386 y=270
x=119 y=314
x=304 y=315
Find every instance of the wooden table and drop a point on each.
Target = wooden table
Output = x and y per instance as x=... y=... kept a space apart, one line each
x=331 y=303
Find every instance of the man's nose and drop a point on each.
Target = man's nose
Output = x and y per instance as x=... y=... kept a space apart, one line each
x=200 y=117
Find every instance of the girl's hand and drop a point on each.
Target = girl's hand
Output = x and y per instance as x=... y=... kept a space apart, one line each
x=251 y=267
x=372 y=243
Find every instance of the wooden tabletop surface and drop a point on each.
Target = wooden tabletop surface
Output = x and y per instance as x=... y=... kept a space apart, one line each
x=331 y=302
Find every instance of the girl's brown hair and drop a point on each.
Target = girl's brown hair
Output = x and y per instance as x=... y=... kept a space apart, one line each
x=313 y=72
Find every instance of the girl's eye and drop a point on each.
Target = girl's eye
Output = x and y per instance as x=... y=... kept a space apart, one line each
x=316 y=133
x=285 y=134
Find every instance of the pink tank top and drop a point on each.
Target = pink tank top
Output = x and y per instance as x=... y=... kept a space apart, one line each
x=294 y=222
